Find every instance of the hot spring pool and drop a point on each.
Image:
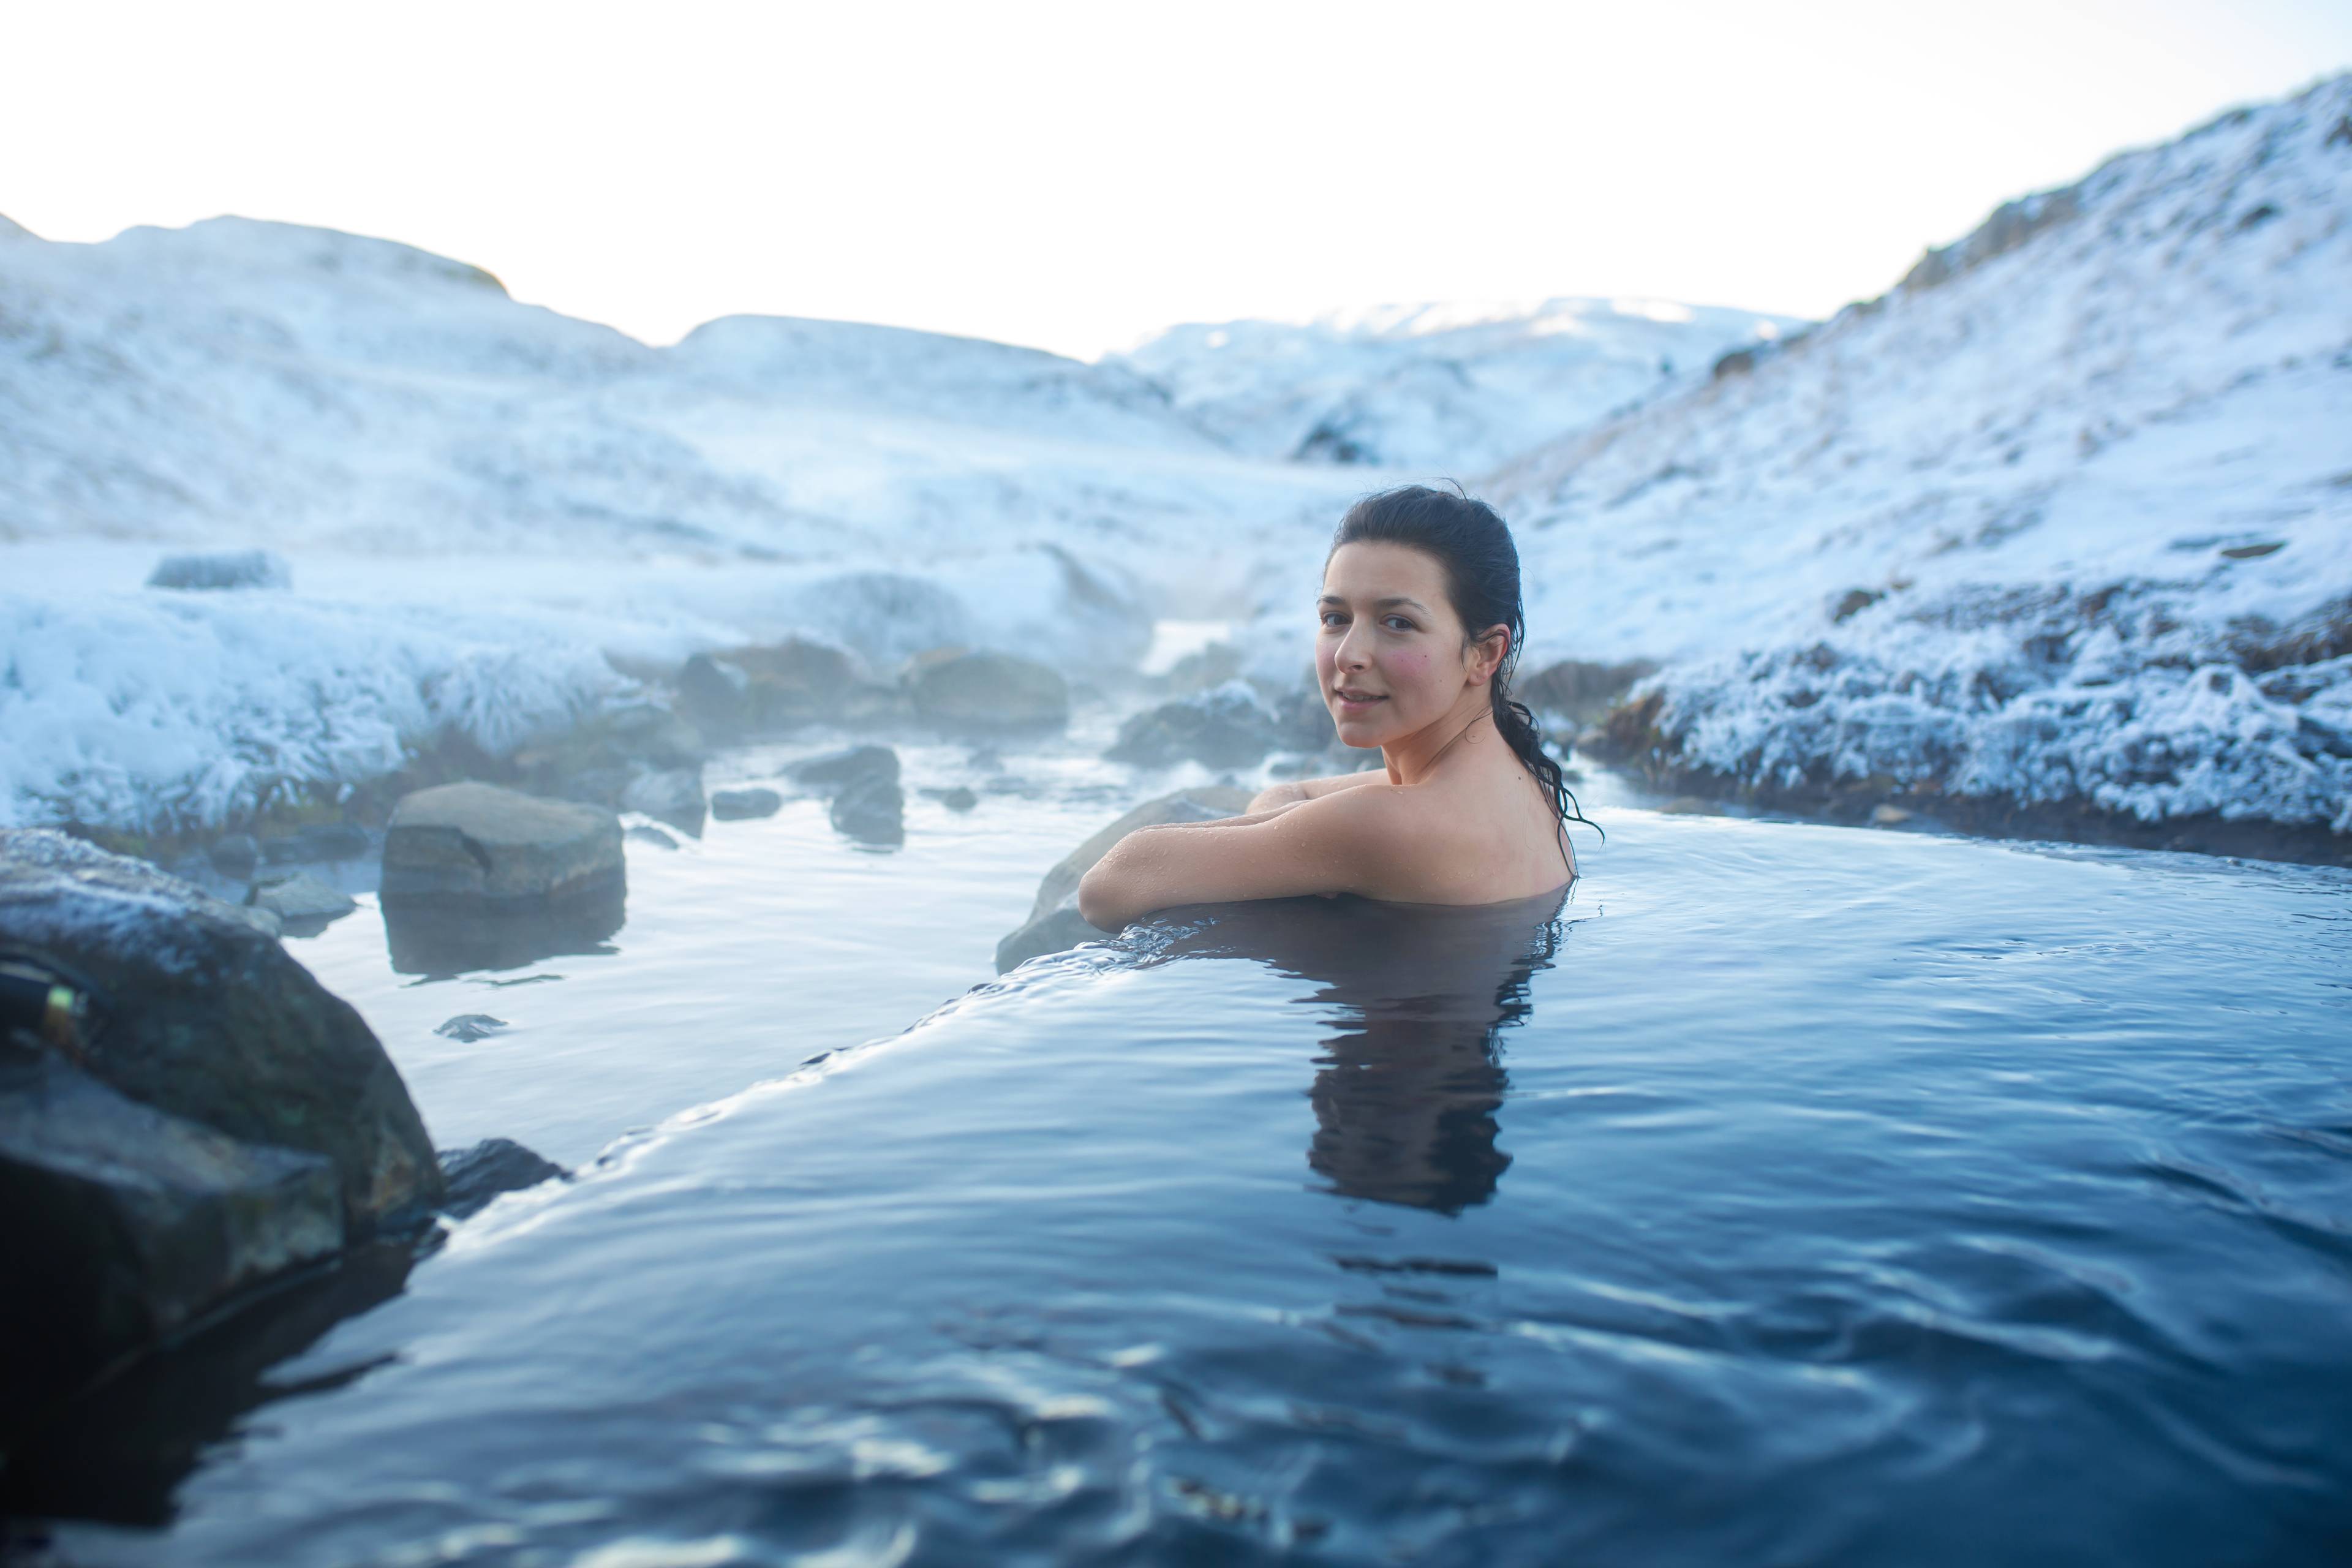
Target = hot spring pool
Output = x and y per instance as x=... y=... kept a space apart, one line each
x=1793 y=1194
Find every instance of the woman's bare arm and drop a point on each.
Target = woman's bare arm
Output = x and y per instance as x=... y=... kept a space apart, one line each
x=1299 y=790
x=1328 y=845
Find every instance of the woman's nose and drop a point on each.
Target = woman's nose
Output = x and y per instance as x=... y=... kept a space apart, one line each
x=1349 y=654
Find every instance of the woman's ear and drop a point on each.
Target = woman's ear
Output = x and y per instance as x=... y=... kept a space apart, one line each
x=1487 y=652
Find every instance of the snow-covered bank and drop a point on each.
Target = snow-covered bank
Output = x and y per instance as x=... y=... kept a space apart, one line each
x=2064 y=517
x=1450 y=389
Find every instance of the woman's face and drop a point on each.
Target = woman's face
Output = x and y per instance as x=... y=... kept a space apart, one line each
x=1390 y=655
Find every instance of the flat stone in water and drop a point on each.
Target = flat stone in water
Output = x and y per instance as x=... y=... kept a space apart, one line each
x=302 y=900
x=476 y=843
x=471 y=1026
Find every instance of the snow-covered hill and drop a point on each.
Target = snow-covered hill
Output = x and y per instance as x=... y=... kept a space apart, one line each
x=481 y=499
x=2065 y=517
x=1453 y=389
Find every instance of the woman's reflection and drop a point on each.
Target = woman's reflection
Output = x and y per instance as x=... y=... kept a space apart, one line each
x=1405 y=1099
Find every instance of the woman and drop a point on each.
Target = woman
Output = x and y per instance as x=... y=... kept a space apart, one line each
x=1421 y=627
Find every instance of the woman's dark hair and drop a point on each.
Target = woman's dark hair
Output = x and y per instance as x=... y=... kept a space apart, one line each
x=1472 y=543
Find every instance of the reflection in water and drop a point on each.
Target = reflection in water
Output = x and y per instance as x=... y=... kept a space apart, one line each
x=119 y=1450
x=430 y=938
x=1405 y=1102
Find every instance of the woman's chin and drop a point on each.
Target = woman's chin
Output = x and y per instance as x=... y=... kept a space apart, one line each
x=1360 y=734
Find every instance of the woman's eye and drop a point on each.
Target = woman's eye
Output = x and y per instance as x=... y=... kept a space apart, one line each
x=1333 y=619
x=1399 y=624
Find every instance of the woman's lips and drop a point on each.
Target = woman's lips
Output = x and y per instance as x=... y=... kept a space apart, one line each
x=1358 y=701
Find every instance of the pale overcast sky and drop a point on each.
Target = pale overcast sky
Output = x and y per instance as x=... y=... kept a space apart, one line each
x=1076 y=176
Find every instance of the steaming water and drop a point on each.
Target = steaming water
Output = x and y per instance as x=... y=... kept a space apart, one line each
x=1790 y=1195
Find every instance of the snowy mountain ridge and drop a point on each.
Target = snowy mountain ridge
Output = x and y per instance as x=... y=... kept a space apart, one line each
x=1437 y=388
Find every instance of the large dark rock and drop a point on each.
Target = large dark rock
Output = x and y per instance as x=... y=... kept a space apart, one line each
x=203 y=1014
x=124 y=1223
x=990 y=691
x=1224 y=727
x=1054 y=924
x=476 y=843
x=218 y=1119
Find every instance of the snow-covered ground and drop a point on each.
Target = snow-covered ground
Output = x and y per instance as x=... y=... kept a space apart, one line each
x=1448 y=389
x=2066 y=516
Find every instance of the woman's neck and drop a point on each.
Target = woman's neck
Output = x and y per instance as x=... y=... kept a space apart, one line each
x=1415 y=758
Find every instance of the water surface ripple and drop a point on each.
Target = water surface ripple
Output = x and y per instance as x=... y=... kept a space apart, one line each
x=1789 y=1195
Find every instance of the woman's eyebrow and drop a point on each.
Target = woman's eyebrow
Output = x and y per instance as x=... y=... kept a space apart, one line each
x=1399 y=599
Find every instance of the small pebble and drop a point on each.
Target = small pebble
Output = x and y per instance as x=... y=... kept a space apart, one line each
x=956 y=799
x=471 y=1026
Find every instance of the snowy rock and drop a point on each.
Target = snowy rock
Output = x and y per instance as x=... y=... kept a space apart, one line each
x=204 y=1016
x=302 y=901
x=2059 y=524
x=1054 y=924
x=1225 y=727
x=489 y=1168
x=478 y=844
x=991 y=691
x=744 y=805
x=224 y=569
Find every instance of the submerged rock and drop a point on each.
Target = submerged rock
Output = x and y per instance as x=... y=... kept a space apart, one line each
x=872 y=810
x=957 y=798
x=476 y=843
x=744 y=805
x=466 y=1028
x=302 y=901
x=222 y=569
x=990 y=691
x=862 y=783
x=1224 y=727
x=1054 y=924
x=493 y=1166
